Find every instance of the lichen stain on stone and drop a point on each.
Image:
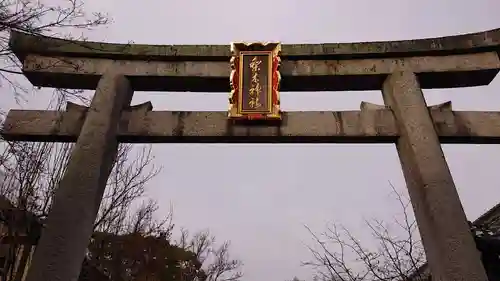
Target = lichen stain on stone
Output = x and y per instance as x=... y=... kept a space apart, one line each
x=332 y=66
x=178 y=130
x=339 y=122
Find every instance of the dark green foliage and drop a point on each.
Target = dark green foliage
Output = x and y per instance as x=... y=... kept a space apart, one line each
x=136 y=257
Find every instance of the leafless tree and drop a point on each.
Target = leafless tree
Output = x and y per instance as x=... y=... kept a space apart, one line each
x=217 y=263
x=61 y=18
x=31 y=172
x=339 y=256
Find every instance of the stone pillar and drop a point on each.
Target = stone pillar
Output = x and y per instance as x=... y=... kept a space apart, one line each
x=448 y=242
x=62 y=246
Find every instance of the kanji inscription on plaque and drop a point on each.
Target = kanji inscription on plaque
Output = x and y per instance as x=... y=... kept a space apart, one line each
x=255 y=81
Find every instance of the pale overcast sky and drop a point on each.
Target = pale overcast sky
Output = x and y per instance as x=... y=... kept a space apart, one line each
x=313 y=184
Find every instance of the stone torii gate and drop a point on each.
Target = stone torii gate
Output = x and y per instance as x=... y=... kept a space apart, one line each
x=401 y=69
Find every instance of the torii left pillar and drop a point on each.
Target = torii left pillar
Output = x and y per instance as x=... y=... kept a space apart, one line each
x=62 y=246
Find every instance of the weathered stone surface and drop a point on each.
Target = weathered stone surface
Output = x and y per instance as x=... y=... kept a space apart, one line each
x=23 y=44
x=373 y=124
x=63 y=243
x=449 y=246
x=301 y=75
x=165 y=126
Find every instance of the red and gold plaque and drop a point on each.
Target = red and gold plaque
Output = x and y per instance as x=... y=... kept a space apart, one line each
x=255 y=81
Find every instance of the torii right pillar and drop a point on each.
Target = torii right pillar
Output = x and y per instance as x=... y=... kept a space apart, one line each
x=448 y=243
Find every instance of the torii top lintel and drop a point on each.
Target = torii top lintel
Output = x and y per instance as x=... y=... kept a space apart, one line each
x=305 y=67
x=23 y=44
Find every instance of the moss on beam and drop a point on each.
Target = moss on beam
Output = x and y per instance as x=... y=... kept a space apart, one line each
x=23 y=44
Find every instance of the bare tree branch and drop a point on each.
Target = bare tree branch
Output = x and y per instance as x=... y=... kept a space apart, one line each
x=61 y=18
x=216 y=261
x=339 y=256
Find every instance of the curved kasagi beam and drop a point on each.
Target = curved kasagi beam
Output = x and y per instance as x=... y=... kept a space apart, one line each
x=23 y=44
x=444 y=62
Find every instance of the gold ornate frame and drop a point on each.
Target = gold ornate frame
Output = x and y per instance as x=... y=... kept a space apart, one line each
x=238 y=50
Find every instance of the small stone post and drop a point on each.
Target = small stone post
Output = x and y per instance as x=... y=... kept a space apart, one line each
x=449 y=245
x=62 y=246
